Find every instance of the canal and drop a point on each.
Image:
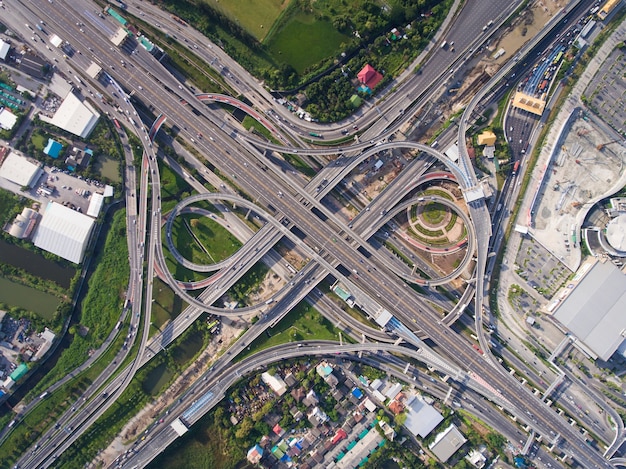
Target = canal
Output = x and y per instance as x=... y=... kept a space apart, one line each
x=35 y=264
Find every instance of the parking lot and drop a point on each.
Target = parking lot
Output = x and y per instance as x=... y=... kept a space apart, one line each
x=607 y=90
x=540 y=269
x=66 y=188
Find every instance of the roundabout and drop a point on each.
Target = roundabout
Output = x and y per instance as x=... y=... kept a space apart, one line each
x=469 y=240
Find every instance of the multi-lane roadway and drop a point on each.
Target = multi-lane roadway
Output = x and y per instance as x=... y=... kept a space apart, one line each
x=283 y=199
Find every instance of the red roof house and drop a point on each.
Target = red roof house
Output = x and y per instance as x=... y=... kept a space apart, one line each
x=340 y=435
x=369 y=76
x=278 y=430
x=396 y=407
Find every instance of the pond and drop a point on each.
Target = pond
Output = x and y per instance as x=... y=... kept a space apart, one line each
x=14 y=294
x=35 y=264
x=156 y=379
x=185 y=351
x=108 y=168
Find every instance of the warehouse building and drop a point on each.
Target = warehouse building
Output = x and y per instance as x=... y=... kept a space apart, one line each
x=20 y=170
x=7 y=119
x=64 y=232
x=594 y=310
x=447 y=443
x=74 y=116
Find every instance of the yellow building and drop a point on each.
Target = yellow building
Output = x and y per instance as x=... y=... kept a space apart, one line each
x=607 y=8
x=529 y=103
x=487 y=138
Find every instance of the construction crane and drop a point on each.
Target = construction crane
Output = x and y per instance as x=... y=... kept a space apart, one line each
x=602 y=145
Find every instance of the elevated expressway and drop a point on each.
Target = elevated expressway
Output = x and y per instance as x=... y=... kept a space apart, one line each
x=259 y=184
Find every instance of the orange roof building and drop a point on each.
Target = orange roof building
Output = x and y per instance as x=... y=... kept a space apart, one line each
x=487 y=138
x=396 y=407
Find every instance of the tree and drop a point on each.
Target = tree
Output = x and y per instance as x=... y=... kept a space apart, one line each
x=245 y=427
x=495 y=441
x=400 y=419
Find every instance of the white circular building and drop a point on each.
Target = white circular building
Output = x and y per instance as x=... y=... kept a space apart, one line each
x=616 y=233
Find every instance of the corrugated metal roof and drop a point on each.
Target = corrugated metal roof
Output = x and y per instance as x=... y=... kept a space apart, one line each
x=594 y=310
x=63 y=232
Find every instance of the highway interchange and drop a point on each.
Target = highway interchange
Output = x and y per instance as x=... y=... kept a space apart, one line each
x=284 y=200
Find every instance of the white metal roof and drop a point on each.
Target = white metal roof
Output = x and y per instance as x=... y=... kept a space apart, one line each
x=421 y=418
x=383 y=318
x=93 y=70
x=179 y=427
x=95 y=205
x=74 y=116
x=19 y=170
x=7 y=119
x=4 y=49
x=452 y=152
x=594 y=310
x=55 y=40
x=63 y=232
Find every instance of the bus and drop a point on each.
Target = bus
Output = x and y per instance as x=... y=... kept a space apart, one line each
x=313 y=134
x=119 y=325
x=117 y=124
x=558 y=57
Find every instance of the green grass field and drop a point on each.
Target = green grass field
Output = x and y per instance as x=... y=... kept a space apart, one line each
x=305 y=33
x=187 y=248
x=434 y=212
x=302 y=323
x=172 y=185
x=185 y=242
x=217 y=244
x=9 y=205
x=39 y=141
x=255 y=16
x=216 y=239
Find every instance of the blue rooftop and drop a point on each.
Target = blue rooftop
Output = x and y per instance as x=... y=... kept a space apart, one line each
x=356 y=392
x=53 y=148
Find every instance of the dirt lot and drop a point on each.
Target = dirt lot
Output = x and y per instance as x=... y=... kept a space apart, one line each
x=578 y=175
x=524 y=28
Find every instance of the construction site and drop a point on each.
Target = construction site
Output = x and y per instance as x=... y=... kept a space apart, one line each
x=586 y=166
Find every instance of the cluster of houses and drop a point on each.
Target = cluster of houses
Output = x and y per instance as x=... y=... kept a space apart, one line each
x=358 y=431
